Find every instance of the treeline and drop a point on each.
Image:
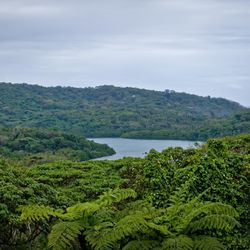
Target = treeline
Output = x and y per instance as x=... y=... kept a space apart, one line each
x=196 y=198
x=34 y=146
x=108 y=111
x=235 y=124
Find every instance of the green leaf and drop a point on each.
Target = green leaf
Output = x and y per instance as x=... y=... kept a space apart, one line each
x=64 y=234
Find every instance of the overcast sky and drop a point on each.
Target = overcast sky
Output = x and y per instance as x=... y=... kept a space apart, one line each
x=194 y=46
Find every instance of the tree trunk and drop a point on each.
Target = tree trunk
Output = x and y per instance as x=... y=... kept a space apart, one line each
x=82 y=241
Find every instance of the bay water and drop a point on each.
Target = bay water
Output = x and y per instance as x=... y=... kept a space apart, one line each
x=138 y=147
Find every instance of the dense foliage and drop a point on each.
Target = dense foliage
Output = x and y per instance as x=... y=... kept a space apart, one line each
x=58 y=184
x=127 y=112
x=39 y=145
x=101 y=225
x=195 y=198
x=214 y=127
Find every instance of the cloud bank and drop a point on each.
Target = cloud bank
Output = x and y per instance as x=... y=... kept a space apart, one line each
x=200 y=47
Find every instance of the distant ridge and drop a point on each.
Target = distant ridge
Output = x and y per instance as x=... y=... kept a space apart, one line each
x=108 y=111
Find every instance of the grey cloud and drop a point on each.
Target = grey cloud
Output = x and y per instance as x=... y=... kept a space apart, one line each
x=187 y=45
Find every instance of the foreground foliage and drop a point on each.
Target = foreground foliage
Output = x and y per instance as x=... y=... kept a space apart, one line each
x=197 y=198
x=59 y=184
x=102 y=225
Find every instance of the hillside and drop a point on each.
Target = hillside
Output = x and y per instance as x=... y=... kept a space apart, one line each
x=234 y=124
x=34 y=146
x=112 y=111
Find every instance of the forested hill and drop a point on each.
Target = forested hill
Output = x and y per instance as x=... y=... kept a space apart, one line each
x=34 y=146
x=113 y=111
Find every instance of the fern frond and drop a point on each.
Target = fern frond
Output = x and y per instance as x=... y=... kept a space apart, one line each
x=64 y=234
x=128 y=225
x=214 y=208
x=139 y=205
x=37 y=212
x=191 y=212
x=207 y=243
x=98 y=239
x=181 y=242
x=141 y=244
x=160 y=228
x=216 y=222
x=77 y=210
x=179 y=195
x=115 y=195
x=180 y=209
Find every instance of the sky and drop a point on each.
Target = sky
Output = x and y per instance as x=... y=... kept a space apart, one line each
x=193 y=46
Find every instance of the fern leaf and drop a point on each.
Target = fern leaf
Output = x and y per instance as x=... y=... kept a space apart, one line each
x=190 y=213
x=116 y=195
x=141 y=244
x=128 y=225
x=215 y=208
x=160 y=228
x=207 y=243
x=180 y=209
x=64 y=234
x=179 y=194
x=216 y=222
x=181 y=242
x=37 y=212
x=77 y=210
x=139 y=205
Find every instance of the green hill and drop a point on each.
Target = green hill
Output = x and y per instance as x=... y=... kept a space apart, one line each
x=234 y=124
x=113 y=111
x=40 y=146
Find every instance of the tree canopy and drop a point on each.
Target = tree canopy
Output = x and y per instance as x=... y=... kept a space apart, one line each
x=108 y=111
x=196 y=198
x=33 y=146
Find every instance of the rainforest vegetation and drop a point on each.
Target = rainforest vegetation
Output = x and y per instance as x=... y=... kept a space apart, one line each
x=40 y=146
x=196 y=198
x=108 y=111
x=52 y=197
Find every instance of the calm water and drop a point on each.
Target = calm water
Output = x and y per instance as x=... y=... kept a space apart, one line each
x=138 y=147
